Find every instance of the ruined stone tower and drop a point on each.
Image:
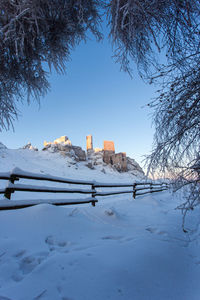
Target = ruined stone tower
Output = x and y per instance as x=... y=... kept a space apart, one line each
x=118 y=160
x=89 y=142
x=109 y=146
x=108 y=151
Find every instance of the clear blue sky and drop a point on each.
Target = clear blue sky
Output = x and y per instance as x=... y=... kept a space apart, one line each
x=94 y=97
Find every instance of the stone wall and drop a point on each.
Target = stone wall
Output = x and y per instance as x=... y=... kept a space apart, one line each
x=118 y=160
x=106 y=156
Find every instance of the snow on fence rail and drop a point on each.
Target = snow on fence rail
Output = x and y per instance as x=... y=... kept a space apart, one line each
x=17 y=174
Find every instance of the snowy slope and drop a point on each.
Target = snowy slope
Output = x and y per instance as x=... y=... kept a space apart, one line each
x=120 y=249
x=45 y=162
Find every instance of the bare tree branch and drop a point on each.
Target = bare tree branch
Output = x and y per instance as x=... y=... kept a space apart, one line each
x=139 y=30
x=33 y=34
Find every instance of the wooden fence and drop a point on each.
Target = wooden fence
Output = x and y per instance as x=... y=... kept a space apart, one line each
x=136 y=189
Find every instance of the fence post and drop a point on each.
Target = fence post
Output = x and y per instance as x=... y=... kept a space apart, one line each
x=165 y=185
x=93 y=194
x=134 y=190
x=8 y=191
x=151 y=187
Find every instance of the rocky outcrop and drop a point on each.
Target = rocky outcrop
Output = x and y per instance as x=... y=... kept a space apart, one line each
x=75 y=152
x=95 y=158
x=79 y=153
x=62 y=140
x=30 y=147
x=133 y=167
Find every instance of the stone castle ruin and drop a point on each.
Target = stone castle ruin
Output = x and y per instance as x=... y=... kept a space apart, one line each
x=117 y=160
x=94 y=156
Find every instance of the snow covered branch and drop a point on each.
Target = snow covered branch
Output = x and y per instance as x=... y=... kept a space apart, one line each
x=35 y=34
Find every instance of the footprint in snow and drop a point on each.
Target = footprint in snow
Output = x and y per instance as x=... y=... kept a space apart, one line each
x=65 y=297
x=19 y=253
x=1 y=255
x=155 y=230
x=55 y=244
x=40 y=295
x=60 y=290
x=27 y=264
x=112 y=237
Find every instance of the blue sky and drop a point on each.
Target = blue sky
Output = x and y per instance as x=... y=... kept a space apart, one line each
x=94 y=97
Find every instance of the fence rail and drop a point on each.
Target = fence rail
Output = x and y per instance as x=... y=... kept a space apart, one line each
x=17 y=174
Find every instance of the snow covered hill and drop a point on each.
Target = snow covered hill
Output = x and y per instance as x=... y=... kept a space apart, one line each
x=121 y=249
x=47 y=162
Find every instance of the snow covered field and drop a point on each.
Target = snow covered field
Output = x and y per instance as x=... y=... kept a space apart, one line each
x=120 y=249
